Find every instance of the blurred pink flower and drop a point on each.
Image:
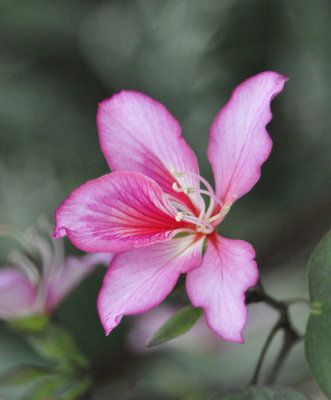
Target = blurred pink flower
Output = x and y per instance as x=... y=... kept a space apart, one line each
x=153 y=195
x=40 y=276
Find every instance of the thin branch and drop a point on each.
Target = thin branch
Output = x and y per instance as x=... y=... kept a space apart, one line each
x=291 y=337
x=265 y=348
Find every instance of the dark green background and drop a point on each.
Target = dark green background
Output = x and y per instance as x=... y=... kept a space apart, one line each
x=58 y=59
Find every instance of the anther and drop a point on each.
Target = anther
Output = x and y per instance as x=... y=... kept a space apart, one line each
x=180 y=215
x=176 y=173
x=186 y=190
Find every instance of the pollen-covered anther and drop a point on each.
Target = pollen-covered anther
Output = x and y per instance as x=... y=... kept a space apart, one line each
x=181 y=215
x=175 y=173
x=186 y=190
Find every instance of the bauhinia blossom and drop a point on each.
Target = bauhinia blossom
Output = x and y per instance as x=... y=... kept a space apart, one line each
x=154 y=194
x=38 y=277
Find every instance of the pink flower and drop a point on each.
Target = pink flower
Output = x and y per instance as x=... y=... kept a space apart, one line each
x=153 y=195
x=38 y=278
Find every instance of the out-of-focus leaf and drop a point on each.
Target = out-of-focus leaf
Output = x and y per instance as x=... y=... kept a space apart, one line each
x=318 y=333
x=177 y=325
x=47 y=388
x=319 y=276
x=34 y=324
x=58 y=345
x=23 y=375
x=76 y=389
x=264 y=393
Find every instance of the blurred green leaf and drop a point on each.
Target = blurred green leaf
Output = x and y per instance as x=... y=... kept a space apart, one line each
x=264 y=393
x=76 y=389
x=177 y=325
x=46 y=388
x=59 y=387
x=23 y=375
x=318 y=333
x=319 y=268
x=58 y=345
x=34 y=324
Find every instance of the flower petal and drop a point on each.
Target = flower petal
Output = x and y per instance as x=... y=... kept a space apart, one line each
x=139 y=134
x=219 y=284
x=239 y=143
x=70 y=275
x=115 y=212
x=139 y=279
x=17 y=294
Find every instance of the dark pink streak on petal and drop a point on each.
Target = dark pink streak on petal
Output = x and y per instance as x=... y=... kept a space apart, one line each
x=227 y=270
x=139 y=279
x=239 y=143
x=115 y=212
x=17 y=294
x=139 y=134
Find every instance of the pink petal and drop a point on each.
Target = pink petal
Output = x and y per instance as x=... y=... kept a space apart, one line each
x=139 y=134
x=116 y=212
x=239 y=143
x=70 y=275
x=219 y=284
x=17 y=294
x=139 y=279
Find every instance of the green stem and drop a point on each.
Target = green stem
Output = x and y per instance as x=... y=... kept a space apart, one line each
x=290 y=339
x=291 y=336
x=267 y=343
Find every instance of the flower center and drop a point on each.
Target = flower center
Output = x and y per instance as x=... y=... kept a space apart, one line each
x=205 y=222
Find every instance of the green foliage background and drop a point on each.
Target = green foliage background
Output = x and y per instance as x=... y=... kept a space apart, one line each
x=58 y=59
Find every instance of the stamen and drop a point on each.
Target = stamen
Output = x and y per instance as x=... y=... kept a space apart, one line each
x=180 y=215
x=25 y=265
x=175 y=173
x=180 y=174
x=204 y=221
x=186 y=190
x=202 y=225
x=225 y=209
x=213 y=199
x=189 y=190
